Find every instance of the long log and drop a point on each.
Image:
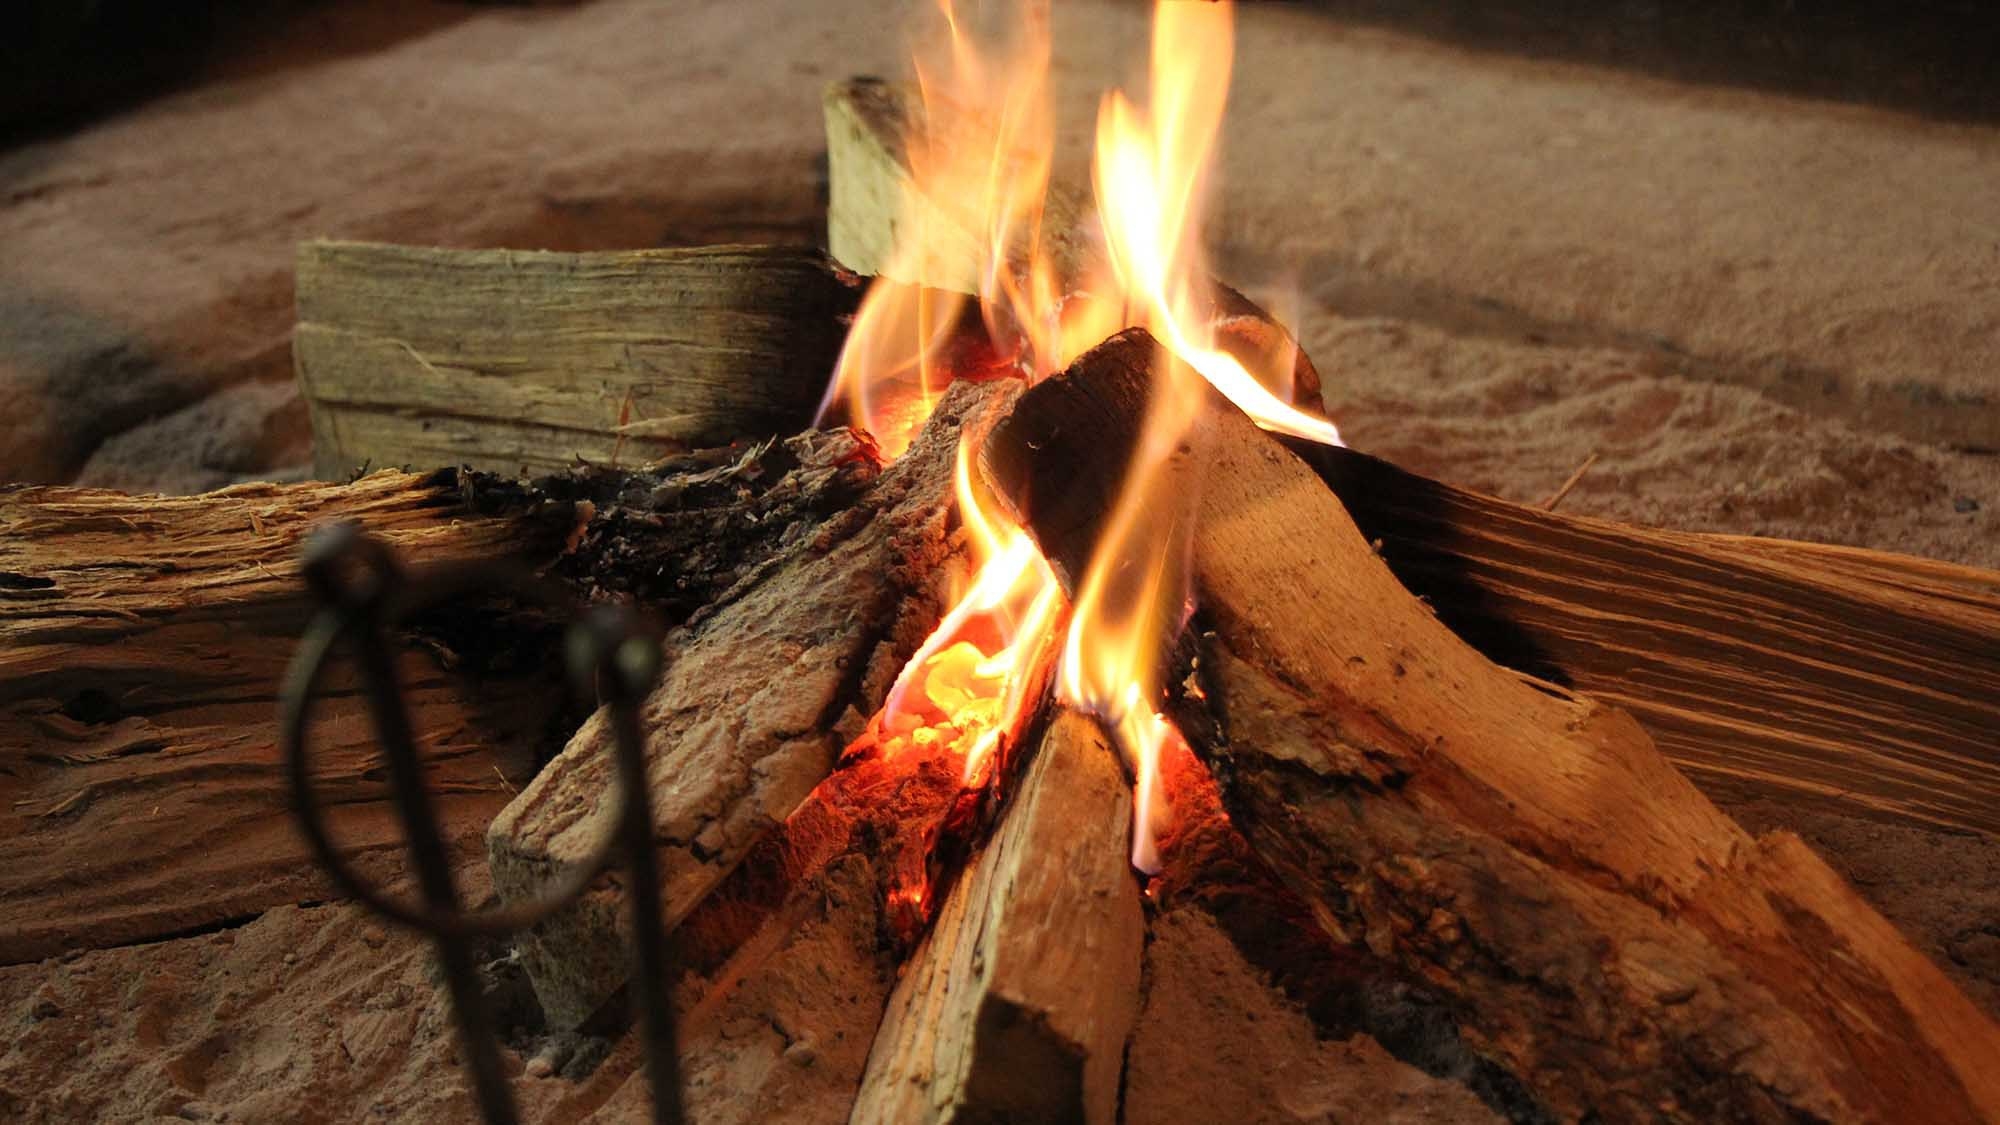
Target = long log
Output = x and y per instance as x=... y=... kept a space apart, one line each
x=760 y=693
x=1018 y=1005
x=141 y=644
x=1761 y=667
x=517 y=362
x=1596 y=926
x=142 y=640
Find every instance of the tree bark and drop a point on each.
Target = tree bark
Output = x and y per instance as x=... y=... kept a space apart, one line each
x=761 y=691
x=1595 y=925
x=517 y=362
x=1018 y=1005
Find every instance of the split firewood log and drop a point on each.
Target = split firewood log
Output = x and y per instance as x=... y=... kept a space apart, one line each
x=1524 y=853
x=517 y=362
x=1018 y=1005
x=761 y=691
x=143 y=638
x=1861 y=679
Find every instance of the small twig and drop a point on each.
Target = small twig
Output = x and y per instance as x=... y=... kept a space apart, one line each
x=644 y=427
x=503 y=781
x=426 y=364
x=1549 y=505
x=624 y=419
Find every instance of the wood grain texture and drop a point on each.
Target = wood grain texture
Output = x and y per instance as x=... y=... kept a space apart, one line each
x=515 y=361
x=1763 y=667
x=1018 y=1005
x=1594 y=924
x=759 y=695
x=142 y=639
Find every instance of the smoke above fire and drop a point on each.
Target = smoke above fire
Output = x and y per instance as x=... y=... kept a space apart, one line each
x=980 y=154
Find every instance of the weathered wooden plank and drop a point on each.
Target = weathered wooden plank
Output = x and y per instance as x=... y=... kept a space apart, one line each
x=142 y=640
x=515 y=361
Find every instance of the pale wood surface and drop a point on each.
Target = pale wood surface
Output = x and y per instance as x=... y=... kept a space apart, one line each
x=1594 y=924
x=514 y=361
x=1018 y=1005
x=142 y=639
x=869 y=197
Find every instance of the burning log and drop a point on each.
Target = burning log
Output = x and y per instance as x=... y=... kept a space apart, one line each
x=869 y=128
x=1887 y=669
x=515 y=361
x=870 y=125
x=1018 y=1005
x=762 y=690
x=142 y=640
x=1594 y=924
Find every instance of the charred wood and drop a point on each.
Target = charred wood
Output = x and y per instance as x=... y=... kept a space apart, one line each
x=761 y=691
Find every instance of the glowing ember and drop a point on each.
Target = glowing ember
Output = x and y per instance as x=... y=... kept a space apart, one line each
x=967 y=688
x=966 y=691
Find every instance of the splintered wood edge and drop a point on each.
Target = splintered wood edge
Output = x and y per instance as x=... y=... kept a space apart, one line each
x=1019 y=1003
x=1523 y=852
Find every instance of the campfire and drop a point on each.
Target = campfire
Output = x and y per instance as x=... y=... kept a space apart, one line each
x=1021 y=597
x=1095 y=569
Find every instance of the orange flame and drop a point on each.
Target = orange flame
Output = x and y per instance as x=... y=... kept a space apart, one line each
x=966 y=689
x=1149 y=172
x=979 y=160
x=979 y=157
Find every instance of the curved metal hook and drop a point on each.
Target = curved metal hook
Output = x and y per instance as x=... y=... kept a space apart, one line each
x=365 y=592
